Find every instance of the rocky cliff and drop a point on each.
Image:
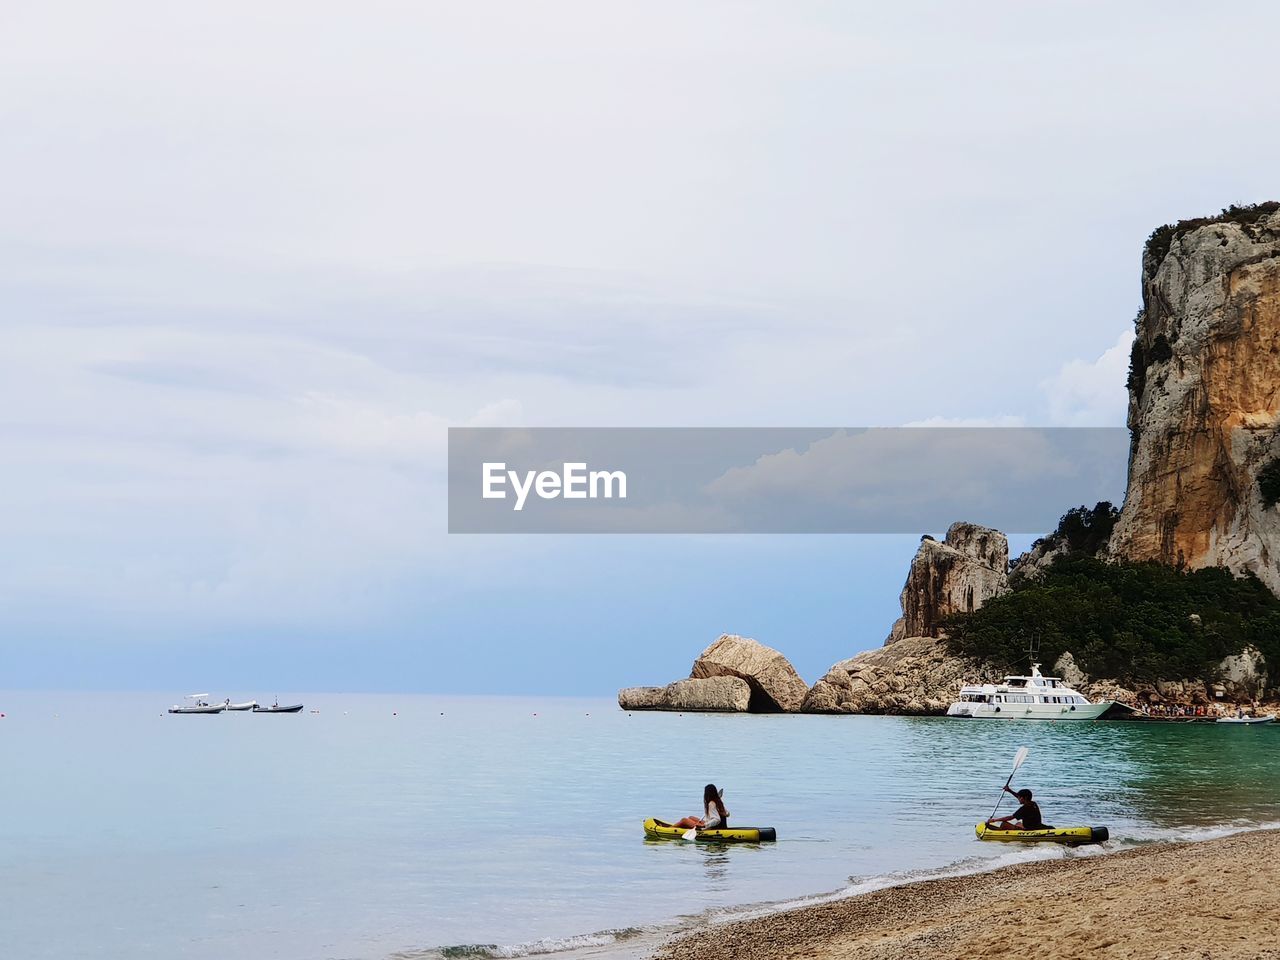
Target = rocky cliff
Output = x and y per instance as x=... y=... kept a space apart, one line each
x=955 y=575
x=1204 y=490
x=1204 y=397
x=913 y=672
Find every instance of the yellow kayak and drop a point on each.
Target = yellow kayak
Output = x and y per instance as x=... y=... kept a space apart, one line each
x=1071 y=836
x=660 y=829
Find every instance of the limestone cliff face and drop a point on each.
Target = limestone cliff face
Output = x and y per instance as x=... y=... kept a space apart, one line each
x=956 y=575
x=1204 y=398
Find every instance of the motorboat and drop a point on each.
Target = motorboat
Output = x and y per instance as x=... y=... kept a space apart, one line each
x=199 y=704
x=1245 y=721
x=247 y=705
x=1031 y=697
x=276 y=708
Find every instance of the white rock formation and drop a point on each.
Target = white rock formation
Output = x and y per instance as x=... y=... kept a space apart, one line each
x=956 y=575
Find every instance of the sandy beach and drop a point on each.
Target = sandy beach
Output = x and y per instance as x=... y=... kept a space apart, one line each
x=1217 y=899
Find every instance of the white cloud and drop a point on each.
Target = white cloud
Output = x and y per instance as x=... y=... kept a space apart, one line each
x=1091 y=394
x=1006 y=420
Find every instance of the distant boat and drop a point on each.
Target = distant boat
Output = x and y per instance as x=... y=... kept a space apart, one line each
x=1036 y=697
x=1245 y=720
x=276 y=708
x=199 y=704
x=247 y=705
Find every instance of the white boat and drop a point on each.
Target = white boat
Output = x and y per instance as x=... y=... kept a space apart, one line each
x=247 y=705
x=1034 y=697
x=199 y=704
x=1245 y=720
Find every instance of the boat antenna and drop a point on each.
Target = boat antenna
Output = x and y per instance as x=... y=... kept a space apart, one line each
x=1033 y=649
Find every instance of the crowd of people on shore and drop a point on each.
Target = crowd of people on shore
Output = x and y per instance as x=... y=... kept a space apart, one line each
x=1209 y=711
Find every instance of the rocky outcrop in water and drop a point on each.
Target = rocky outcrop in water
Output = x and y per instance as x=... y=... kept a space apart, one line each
x=722 y=694
x=733 y=674
x=914 y=675
x=957 y=575
x=775 y=685
x=1204 y=397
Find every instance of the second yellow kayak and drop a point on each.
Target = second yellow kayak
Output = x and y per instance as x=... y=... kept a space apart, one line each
x=1071 y=836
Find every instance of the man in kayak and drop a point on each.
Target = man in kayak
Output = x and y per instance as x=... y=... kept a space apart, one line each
x=1026 y=817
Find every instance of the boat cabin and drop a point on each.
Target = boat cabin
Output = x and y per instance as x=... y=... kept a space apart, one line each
x=1035 y=688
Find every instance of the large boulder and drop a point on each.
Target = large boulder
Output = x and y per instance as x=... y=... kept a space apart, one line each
x=721 y=694
x=775 y=685
x=956 y=575
x=1244 y=675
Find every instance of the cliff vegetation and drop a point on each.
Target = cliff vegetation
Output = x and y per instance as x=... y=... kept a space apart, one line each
x=1135 y=622
x=1245 y=214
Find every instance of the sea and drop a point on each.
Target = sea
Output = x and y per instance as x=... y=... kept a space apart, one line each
x=417 y=827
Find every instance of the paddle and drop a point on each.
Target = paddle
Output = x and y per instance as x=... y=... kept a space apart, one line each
x=1019 y=759
x=693 y=834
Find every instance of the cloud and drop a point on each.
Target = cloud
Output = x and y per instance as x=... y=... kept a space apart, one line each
x=1006 y=420
x=1091 y=394
x=898 y=480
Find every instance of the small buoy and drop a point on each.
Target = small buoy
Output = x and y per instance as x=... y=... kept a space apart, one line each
x=394 y=714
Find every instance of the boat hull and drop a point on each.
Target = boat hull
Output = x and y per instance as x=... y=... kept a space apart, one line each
x=217 y=709
x=1071 y=836
x=1245 y=721
x=296 y=708
x=661 y=830
x=1029 y=711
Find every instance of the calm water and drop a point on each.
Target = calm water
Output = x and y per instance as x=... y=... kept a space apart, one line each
x=388 y=826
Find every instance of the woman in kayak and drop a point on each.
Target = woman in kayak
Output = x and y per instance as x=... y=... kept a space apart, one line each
x=1026 y=817
x=715 y=816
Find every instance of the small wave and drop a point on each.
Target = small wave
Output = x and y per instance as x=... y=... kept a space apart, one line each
x=532 y=948
x=1141 y=836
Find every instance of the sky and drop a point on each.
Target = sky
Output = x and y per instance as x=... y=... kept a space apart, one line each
x=256 y=258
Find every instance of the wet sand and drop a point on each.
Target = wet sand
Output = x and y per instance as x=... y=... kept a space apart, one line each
x=1213 y=900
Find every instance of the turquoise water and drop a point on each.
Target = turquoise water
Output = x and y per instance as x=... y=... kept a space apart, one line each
x=388 y=826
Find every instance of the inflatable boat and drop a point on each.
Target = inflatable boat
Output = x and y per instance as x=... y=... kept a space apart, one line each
x=1071 y=836
x=1245 y=721
x=661 y=830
